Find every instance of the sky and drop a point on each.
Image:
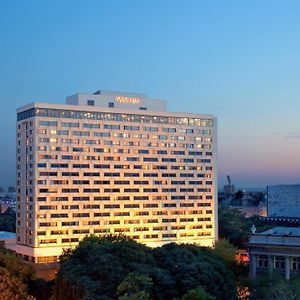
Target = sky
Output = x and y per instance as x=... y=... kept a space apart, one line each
x=238 y=60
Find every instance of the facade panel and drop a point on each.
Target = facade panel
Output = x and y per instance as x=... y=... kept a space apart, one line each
x=284 y=201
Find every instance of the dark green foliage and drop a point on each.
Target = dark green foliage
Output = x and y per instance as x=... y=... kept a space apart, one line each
x=16 y=266
x=257 y=199
x=236 y=228
x=95 y=269
x=189 y=267
x=225 y=250
x=8 y=221
x=115 y=267
x=41 y=289
x=237 y=199
x=15 y=276
x=11 y=287
x=19 y=279
x=239 y=195
x=135 y=286
x=197 y=294
x=274 y=286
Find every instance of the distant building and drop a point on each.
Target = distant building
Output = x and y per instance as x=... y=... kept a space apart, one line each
x=11 y=189
x=275 y=250
x=283 y=201
x=8 y=240
x=110 y=163
x=249 y=211
x=229 y=189
x=4 y=206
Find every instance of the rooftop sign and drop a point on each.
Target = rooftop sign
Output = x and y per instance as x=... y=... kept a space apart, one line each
x=130 y=100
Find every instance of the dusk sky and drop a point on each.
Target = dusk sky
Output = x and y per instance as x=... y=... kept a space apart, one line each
x=238 y=60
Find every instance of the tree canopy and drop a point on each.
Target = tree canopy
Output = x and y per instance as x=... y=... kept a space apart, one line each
x=15 y=277
x=18 y=279
x=116 y=267
x=236 y=228
x=274 y=286
x=8 y=221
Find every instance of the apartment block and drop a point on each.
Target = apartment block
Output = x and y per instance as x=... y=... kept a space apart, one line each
x=113 y=163
x=283 y=201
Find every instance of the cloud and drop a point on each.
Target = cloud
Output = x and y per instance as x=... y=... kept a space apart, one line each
x=289 y=135
x=253 y=137
x=293 y=136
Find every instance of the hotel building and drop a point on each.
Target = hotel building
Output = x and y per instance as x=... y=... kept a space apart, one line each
x=110 y=163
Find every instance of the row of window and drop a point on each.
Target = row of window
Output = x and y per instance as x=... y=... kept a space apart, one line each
x=120 y=117
x=124 y=143
x=43 y=148
x=123 y=135
x=106 y=230
x=118 y=182
x=116 y=127
x=122 y=166
x=278 y=262
x=88 y=231
x=127 y=213
x=136 y=237
x=125 y=190
x=124 y=158
x=115 y=221
x=127 y=198
x=117 y=174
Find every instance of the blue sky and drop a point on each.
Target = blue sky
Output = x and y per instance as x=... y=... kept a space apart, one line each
x=238 y=60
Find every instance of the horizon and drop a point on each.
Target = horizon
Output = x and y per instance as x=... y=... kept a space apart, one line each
x=236 y=60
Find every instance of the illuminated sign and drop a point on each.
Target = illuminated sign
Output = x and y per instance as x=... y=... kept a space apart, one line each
x=131 y=100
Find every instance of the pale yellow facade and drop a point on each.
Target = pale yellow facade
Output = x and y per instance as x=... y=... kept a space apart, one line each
x=83 y=170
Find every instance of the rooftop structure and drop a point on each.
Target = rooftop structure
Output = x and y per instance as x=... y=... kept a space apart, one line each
x=277 y=249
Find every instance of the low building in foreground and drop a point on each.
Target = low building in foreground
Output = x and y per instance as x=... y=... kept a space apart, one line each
x=275 y=250
x=111 y=163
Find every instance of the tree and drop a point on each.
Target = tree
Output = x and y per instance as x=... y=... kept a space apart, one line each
x=11 y=287
x=233 y=226
x=224 y=249
x=274 y=286
x=236 y=228
x=191 y=266
x=16 y=267
x=135 y=286
x=16 y=277
x=239 y=195
x=116 y=267
x=97 y=266
x=197 y=294
x=8 y=221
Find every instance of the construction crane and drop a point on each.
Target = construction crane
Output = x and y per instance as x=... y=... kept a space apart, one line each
x=228 y=178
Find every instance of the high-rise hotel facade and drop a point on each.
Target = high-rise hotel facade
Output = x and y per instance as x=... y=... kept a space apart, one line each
x=111 y=163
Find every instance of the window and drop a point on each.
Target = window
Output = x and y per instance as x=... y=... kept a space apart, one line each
x=127 y=127
x=75 y=114
x=89 y=125
x=111 y=104
x=69 y=124
x=109 y=126
x=91 y=102
x=48 y=123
